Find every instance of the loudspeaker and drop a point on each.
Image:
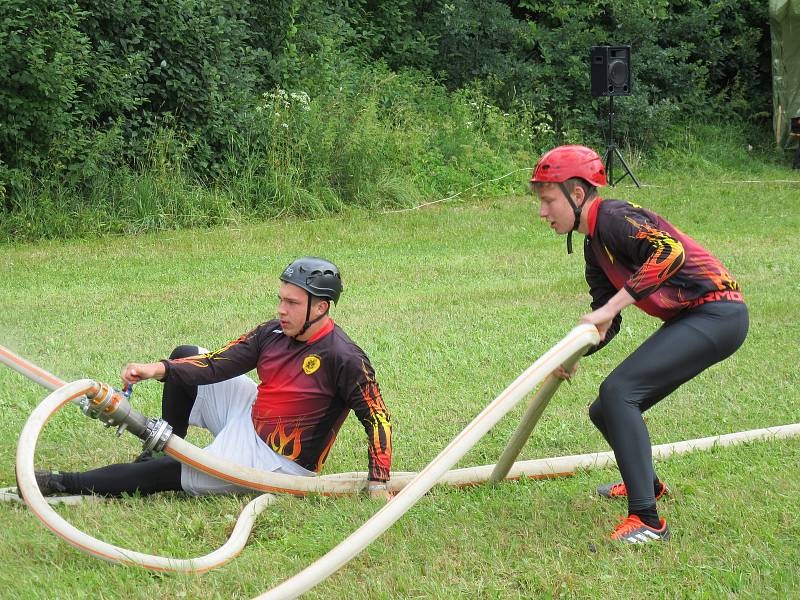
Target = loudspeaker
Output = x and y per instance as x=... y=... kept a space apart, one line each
x=610 y=70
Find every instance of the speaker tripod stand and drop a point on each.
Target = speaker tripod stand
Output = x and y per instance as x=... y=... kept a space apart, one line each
x=613 y=150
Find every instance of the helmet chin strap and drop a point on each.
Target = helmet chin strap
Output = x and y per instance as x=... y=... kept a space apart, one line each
x=308 y=323
x=576 y=211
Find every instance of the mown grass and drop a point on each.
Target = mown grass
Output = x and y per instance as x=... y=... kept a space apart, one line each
x=451 y=302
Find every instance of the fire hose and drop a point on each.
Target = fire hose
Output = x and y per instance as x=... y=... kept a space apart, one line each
x=98 y=400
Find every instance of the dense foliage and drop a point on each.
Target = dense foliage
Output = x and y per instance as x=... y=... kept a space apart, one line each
x=158 y=113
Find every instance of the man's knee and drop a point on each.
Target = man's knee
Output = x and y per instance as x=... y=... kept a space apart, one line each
x=614 y=388
x=618 y=393
x=596 y=414
x=184 y=351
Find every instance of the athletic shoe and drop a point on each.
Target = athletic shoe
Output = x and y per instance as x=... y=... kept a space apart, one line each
x=633 y=531
x=49 y=483
x=618 y=490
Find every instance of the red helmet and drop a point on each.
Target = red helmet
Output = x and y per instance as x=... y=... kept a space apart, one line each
x=566 y=162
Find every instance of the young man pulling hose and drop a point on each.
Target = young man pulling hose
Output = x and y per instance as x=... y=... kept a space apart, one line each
x=634 y=256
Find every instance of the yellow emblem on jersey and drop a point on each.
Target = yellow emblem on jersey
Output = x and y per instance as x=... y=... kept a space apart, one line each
x=311 y=364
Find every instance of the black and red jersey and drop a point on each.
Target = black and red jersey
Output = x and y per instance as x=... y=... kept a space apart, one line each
x=664 y=269
x=305 y=392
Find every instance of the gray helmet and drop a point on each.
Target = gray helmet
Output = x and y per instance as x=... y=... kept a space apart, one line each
x=317 y=276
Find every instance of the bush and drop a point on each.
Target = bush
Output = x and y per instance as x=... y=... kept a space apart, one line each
x=253 y=109
x=396 y=138
x=689 y=57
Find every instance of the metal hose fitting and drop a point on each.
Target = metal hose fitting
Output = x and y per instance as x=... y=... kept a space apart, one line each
x=113 y=409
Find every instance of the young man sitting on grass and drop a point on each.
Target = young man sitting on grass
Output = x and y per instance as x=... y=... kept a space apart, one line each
x=311 y=376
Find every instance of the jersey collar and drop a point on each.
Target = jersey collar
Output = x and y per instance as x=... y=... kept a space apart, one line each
x=322 y=332
x=592 y=216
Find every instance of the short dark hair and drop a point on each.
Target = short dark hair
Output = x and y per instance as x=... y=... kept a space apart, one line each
x=589 y=190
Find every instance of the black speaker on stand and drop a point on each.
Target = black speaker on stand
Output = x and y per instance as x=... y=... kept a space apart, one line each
x=610 y=69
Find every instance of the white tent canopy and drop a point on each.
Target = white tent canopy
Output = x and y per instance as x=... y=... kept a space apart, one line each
x=784 y=18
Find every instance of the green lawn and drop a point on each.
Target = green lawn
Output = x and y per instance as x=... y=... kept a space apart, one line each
x=451 y=303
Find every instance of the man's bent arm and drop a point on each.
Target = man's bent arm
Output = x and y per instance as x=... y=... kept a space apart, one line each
x=233 y=359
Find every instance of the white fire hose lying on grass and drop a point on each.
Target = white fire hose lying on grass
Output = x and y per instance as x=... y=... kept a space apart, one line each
x=100 y=401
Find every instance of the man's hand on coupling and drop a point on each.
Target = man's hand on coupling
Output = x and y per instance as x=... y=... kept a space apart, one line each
x=136 y=372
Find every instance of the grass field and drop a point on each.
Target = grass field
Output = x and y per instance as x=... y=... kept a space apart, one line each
x=451 y=303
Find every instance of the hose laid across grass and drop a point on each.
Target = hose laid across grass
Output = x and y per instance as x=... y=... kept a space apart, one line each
x=409 y=487
x=575 y=343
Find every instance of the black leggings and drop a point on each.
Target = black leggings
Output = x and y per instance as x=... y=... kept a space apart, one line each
x=157 y=475
x=674 y=354
x=177 y=399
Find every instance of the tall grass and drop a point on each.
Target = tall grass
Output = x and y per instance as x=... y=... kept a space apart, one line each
x=381 y=139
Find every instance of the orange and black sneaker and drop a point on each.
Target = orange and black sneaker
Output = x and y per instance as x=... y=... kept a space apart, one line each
x=633 y=531
x=618 y=490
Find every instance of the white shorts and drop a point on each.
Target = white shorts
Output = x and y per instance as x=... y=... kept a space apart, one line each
x=224 y=409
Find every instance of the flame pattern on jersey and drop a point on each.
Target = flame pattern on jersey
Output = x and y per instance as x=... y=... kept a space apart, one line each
x=663 y=269
x=203 y=361
x=380 y=447
x=298 y=412
x=666 y=259
x=288 y=445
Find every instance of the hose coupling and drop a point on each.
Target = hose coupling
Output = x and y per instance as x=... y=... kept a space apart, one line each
x=112 y=408
x=157 y=433
x=106 y=404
